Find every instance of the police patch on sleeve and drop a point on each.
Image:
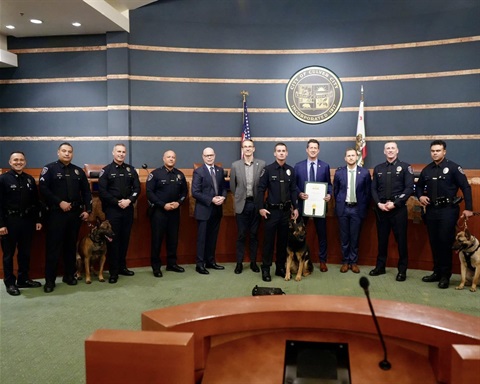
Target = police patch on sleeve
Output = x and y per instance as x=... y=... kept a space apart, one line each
x=410 y=169
x=44 y=170
x=263 y=172
x=101 y=173
x=460 y=169
x=150 y=177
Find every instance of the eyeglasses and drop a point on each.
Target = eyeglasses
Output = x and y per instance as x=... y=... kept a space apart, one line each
x=209 y=155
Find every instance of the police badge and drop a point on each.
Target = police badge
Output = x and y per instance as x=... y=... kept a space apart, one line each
x=314 y=95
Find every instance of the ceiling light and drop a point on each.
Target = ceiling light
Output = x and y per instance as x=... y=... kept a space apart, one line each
x=76 y=24
x=10 y=26
x=36 y=21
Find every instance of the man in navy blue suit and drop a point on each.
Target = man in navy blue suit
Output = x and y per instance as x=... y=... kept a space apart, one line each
x=314 y=169
x=209 y=191
x=351 y=189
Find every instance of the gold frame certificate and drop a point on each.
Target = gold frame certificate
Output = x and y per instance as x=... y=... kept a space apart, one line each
x=315 y=205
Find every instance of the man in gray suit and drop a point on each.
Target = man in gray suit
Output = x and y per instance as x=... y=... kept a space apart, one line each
x=244 y=177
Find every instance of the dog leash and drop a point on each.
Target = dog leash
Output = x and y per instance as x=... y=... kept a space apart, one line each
x=465 y=219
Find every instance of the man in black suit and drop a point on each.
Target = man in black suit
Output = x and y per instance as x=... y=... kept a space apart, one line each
x=209 y=191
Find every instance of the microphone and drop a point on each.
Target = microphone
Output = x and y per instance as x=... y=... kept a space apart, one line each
x=384 y=364
x=144 y=166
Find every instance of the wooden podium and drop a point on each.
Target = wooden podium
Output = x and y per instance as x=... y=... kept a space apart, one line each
x=242 y=340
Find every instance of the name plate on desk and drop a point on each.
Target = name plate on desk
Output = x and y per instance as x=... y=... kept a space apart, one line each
x=308 y=362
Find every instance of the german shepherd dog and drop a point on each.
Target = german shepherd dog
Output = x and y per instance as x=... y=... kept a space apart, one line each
x=93 y=247
x=468 y=249
x=298 y=253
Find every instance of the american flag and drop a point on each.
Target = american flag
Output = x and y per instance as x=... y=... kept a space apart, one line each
x=246 y=125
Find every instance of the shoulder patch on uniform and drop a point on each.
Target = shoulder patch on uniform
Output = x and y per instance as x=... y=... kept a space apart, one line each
x=101 y=173
x=150 y=177
x=460 y=169
x=44 y=171
x=263 y=172
x=410 y=169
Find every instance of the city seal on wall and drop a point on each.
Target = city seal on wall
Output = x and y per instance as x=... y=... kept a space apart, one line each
x=314 y=95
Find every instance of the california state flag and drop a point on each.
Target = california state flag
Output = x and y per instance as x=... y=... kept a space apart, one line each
x=360 y=139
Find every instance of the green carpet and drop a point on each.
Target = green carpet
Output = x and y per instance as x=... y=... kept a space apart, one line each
x=42 y=335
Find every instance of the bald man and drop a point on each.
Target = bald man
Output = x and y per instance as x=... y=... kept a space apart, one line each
x=208 y=189
x=166 y=192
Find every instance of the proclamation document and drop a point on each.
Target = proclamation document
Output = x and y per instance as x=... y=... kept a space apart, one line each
x=315 y=206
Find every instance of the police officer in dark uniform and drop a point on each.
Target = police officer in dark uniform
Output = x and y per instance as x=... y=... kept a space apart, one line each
x=436 y=190
x=278 y=179
x=119 y=187
x=66 y=191
x=20 y=215
x=166 y=191
x=391 y=188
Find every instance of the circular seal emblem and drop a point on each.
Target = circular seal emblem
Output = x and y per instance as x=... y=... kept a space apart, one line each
x=314 y=95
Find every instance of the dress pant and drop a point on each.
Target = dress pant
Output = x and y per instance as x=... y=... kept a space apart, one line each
x=121 y=221
x=247 y=226
x=20 y=234
x=61 y=239
x=441 y=224
x=395 y=221
x=207 y=237
x=321 y=229
x=350 y=225
x=165 y=224
x=276 y=225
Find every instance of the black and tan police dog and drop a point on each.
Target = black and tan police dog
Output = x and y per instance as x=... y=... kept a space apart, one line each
x=93 y=247
x=468 y=248
x=298 y=253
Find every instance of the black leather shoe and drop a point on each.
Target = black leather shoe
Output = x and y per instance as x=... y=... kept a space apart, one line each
x=126 y=272
x=28 y=284
x=444 y=283
x=431 y=278
x=238 y=268
x=69 y=280
x=215 y=266
x=401 y=276
x=48 y=287
x=266 y=275
x=377 y=272
x=113 y=279
x=254 y=267
x=13 y=290
x=202 y=270
x=175 y=268
x=157 y=273
x=280 y=272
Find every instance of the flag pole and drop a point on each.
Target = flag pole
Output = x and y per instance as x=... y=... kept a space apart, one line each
x=360 y=139
x=245 y=123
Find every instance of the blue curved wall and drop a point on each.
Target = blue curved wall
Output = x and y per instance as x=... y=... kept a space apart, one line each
x=174 y=82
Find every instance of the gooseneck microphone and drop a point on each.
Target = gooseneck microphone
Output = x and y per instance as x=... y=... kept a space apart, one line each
x=384 y=364
x=145 y=166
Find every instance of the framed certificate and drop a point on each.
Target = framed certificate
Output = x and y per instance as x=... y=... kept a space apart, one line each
x=315 y=206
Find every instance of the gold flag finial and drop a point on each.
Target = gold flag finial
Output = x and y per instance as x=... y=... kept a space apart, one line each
x=244 y=94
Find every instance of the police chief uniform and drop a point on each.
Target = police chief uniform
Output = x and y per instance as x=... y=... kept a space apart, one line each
x=19 y=213
x=117 y=182
x=165 y=186
x=392 y=182
x=441 y=183
x=63 y=182
x=279 y=181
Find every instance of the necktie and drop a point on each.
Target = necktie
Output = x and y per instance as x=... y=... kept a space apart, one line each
x=312 y=172
x=388 y=188
x=68 y=179
x=352 y=197
x=214 y=179
x=283 y=194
